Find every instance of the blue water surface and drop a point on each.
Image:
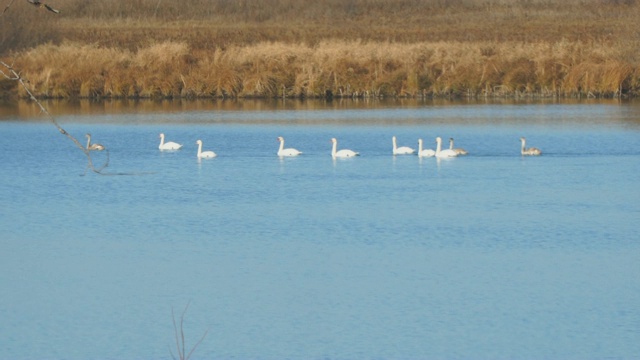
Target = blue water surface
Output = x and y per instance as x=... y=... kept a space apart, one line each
x=491 y=255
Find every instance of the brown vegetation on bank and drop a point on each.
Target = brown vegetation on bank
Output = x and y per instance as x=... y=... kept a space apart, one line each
x=297 y=48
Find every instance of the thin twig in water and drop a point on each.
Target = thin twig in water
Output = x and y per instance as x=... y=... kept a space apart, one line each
x=180 y=345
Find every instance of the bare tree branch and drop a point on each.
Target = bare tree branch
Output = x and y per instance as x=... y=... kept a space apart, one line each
x=8 y=72
x=40 y=4
x=14 y=75
x=11 y=74
x=37 y=3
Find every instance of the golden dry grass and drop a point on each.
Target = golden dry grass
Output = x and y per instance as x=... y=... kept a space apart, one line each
x=272 y=48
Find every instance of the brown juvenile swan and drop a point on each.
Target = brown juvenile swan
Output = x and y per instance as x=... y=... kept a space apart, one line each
x=93 y=147
x=459 y=151
x=528 y=151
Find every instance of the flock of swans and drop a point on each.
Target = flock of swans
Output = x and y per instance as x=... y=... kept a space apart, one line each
x=343 y=153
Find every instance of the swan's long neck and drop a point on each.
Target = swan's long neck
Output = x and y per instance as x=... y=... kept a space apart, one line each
x=281 y=145
x=438 y=145
x=419 y=145
x=333 y=149
x=161 y=139
x=451 y=144
x=523 y=141
x=88 y=141
x=199 y=148
x=395 y=147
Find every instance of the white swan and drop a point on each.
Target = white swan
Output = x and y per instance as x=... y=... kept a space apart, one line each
x=403 y=150
x=342 y=153
x=170 y=145
x=204 y=154
x=529 y=151
x=93 y=147
x=425 y=152
x=446 y=153
x=459 y=151
x=287 y=152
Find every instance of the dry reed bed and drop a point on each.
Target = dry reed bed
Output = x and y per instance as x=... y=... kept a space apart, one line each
x=346 y=68
x=267 y=48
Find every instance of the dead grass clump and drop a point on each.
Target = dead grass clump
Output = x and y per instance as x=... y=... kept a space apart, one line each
x=267 y=69
x=606 y=78
x=159 y=68
x=520 y=76
x=84 y=74
x=163 y=57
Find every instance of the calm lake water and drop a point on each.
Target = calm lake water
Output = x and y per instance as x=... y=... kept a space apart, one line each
x=492 y=255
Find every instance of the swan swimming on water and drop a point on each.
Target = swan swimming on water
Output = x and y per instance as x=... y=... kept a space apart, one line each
x=286 y=152
x=446 y=153
x=530 y=151
x=459 y=151
x=344 y=153
x=204 y=154
x=170 y=145
x=425 y=152
x=93 y=147
x=403 y=150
